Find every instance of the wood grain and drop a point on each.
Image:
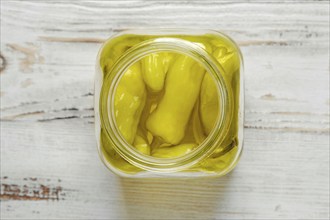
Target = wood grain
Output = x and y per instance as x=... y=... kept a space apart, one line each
x=30 y=190
x=49 y=164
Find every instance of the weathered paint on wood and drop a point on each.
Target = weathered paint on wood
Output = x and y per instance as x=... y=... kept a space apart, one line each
x=49 y=164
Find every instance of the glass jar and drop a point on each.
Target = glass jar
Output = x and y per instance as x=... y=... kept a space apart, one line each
x=169 y=103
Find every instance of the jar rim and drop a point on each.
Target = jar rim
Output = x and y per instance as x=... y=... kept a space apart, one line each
x=134 y=54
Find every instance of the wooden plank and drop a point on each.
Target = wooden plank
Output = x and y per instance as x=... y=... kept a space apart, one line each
x=275 y=178
x=286 y=98
x=49 y=163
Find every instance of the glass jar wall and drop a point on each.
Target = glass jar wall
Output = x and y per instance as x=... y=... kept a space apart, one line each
x=169 y=103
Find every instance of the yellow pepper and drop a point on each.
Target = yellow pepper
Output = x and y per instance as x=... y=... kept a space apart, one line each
x=113 y=157
x=205 y=46
x=141 y=143
x=189 y=133
x=209 y=98
x=200 y=41
x=150 y=106
x=182 y=87
x=216 y=164
x=229 y=60
x=154 y=69
x=209 y=104
x=197 y=126
x=174 y=151
x=114 y=49
x=130 y=97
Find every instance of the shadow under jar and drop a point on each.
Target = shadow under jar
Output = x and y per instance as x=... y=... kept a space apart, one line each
x=169 y=103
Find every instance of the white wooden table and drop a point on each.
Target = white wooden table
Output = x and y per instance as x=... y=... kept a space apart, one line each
x=49 y=164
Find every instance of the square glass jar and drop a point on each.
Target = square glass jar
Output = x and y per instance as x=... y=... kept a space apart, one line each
x=169 y=103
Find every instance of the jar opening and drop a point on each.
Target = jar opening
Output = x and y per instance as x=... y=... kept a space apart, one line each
x=108 y=91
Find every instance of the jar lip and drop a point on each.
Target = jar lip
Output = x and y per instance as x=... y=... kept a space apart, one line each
x=131 y=56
